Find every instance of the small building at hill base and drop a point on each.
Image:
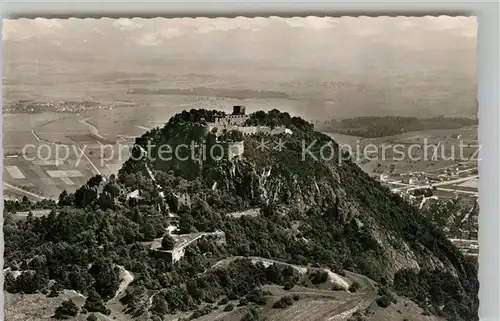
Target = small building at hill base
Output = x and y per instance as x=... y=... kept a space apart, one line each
x=182 y=243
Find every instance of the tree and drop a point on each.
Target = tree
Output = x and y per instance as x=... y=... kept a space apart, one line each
x=383 y=301
x=234 y=135
x=65 y=199
x=159 y=305
x=92 y=317
x=289 y=285
x=107 y=278
x=167 y=242
x=113 y=189
x=106 y=201
x=186 y=223
x=95 y=181
x=354 y=287
x=67 y=308
x=29 y=282
x=283 y=303
x=229 y=307
x=94 y=303
x=54 y=291
x=148 y=231
x=252 y=315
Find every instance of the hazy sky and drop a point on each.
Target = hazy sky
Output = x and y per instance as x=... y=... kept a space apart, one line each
x=364 y=61
x=153 y=32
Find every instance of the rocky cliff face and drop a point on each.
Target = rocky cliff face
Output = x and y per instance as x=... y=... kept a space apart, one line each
x=265 y=185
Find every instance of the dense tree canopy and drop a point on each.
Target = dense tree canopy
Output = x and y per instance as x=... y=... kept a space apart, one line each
x=167 y=242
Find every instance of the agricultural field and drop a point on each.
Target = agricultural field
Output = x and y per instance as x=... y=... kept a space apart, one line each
x=47 y=177
x=310 y=309
x=48 y=153
x=132 y=114
x=403 y=309
x=321 y=305
x=17 y=130
x=93 y=142
x=413 y=152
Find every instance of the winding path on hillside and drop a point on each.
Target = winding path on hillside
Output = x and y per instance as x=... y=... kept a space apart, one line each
x=93 y=129
x=357 y=301
x=343 y=303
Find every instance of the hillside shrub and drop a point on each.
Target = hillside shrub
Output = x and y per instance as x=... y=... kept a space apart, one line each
x=354 y=287
x=229 y=307
x=283 y=303
x=67 y=309
x=383 y=301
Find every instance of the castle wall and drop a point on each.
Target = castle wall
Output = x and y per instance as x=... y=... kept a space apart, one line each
x=235 y=120
x=248 y=130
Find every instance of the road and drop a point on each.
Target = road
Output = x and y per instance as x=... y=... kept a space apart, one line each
x=94 y=130
x=39 y=139
x=409 y=187
x=344 y=303
x=36 y=213
x=97 y=171
x=40 y=197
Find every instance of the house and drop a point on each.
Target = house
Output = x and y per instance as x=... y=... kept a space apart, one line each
x=183 y=242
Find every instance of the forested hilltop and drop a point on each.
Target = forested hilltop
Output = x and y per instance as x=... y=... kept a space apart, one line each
x=314 y=213
x=371 y=127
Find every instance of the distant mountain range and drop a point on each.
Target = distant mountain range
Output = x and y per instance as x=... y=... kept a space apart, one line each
x=372 y=127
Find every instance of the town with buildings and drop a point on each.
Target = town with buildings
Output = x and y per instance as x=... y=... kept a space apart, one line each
x=34 y=107
x=458 y=184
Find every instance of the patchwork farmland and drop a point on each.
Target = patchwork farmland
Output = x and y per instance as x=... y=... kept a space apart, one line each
x=48 y=177
x=46 y=155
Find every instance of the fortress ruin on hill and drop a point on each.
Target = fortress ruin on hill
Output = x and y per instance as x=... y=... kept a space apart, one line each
x=237 y=121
